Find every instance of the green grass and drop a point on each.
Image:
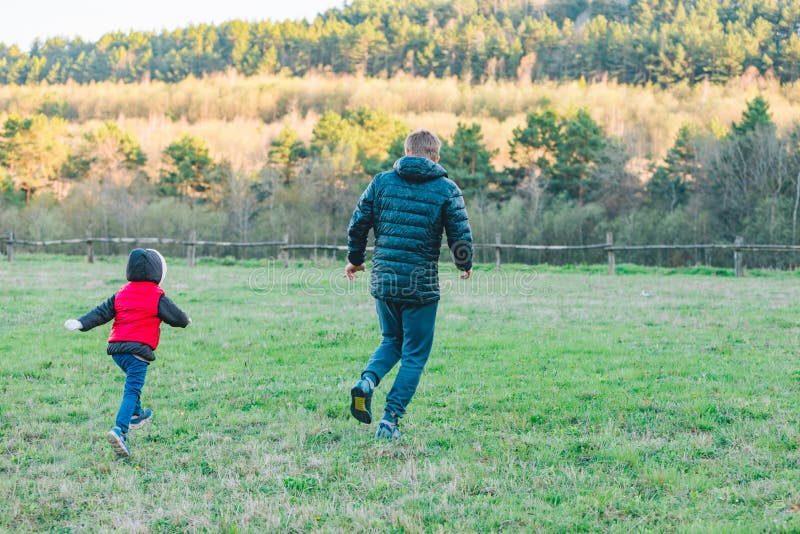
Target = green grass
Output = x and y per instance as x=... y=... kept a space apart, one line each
x=555 y=400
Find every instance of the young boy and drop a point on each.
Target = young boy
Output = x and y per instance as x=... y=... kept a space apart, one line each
x=137 y=309
x=408 y=208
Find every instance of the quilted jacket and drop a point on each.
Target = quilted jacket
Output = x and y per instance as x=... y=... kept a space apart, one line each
x=409 y=208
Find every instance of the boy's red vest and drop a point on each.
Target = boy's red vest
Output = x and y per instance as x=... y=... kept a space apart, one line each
x=136 y=306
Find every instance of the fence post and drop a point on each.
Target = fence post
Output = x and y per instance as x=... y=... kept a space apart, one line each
x=286 y=251
x=191 y=248
x=738 y=270
x=497 y=252
x=10 y=246
x=612 y=260
x=89 y=246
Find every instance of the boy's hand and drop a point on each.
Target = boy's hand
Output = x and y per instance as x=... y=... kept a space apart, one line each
x=350 y=270
x=73 y=324
x=466 y=274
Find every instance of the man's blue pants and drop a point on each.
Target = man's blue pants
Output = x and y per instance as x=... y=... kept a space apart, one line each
x=407 y=338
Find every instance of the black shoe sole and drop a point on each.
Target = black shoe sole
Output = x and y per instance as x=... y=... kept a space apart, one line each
x=360 y=405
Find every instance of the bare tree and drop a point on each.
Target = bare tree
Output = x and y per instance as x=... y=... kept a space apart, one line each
x=241 y=203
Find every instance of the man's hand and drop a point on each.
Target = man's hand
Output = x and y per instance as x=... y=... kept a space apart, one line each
x=466 y=274
x=351 y=270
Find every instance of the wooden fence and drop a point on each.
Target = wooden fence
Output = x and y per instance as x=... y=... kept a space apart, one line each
x=284 y=247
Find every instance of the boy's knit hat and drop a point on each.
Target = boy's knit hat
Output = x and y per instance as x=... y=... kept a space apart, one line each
x=146 y=265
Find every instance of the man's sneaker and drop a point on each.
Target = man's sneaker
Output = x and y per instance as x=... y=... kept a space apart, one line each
x=387 y=430
x=140 y=419
x=361 y=401
x=117 y=440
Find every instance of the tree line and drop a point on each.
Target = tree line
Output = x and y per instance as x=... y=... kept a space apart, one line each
x=634 y=42
x=568 y=182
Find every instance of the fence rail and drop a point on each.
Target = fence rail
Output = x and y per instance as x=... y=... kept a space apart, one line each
x=284 y=246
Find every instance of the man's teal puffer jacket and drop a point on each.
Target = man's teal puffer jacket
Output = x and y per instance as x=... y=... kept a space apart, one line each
x=408 y=209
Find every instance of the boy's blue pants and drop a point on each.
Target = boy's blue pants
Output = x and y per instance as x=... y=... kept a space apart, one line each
x=407 y=338
x=135 y=372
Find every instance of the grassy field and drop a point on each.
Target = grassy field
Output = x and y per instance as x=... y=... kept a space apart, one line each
x=554 y=401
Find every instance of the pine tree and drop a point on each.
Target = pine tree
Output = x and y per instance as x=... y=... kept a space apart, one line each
x=469 y=162
x=671 y=183
x=755 y=117
x=286 y=151
x=187 y=168
x=561 y=151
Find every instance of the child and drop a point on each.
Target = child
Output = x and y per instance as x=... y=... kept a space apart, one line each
x=137 y=309
x=408 y=208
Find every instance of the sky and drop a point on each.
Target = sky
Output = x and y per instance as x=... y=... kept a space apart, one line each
x=22 y=21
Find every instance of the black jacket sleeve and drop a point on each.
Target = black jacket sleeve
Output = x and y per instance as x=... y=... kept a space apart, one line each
x=171 y=314
x=459 y=234
x=98 y=316
x=362 y=221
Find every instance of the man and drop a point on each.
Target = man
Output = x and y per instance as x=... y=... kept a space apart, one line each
x=408 y=208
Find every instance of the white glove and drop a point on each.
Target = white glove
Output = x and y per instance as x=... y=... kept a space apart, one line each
x=190 y=321
x=73 y=324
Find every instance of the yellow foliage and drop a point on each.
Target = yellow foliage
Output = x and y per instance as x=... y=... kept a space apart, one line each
x=240 y=116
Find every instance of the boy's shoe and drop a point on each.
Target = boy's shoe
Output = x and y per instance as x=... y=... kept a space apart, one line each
x=141 y=419
x=118 y=440
x=361 y=401
x=387 y=430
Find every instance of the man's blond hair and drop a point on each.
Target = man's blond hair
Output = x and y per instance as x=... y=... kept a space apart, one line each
x=423 y=143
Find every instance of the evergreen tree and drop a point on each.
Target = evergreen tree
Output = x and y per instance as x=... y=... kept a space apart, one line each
x=469 y=163
x=187 y=168
x=671 y=183
x=755 y=117
x=285 y=151
x=561 y=151
x=578 y=152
